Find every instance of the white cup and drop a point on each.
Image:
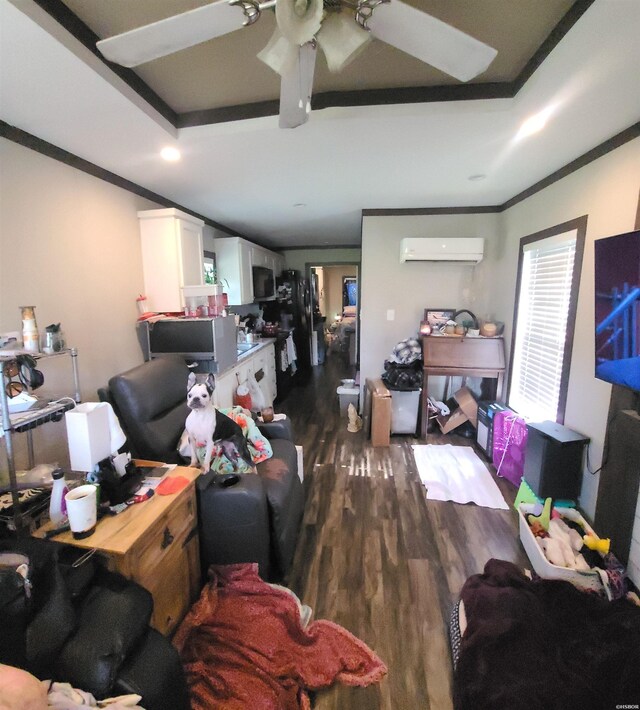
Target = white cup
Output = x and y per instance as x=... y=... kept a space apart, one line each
x=82 y=510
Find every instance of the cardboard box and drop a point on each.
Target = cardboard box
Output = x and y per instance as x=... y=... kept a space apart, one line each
x=380 y=399
x=467 y=411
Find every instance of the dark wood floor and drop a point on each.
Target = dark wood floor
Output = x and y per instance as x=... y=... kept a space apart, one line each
x=375 y=556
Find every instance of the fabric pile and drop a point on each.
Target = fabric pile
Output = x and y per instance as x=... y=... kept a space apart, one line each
x=244 y=644
x=539 y=643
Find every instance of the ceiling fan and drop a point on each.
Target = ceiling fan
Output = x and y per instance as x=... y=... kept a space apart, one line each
x=340 y=27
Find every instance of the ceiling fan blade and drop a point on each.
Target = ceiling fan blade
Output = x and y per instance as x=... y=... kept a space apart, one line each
x=295 y=88
x=173 y=34
x=430 y=40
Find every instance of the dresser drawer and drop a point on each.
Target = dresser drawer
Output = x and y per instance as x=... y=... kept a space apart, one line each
x=452 y=351
x=168 y=532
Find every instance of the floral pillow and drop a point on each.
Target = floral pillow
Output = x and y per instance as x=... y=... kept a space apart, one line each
x=258 y=445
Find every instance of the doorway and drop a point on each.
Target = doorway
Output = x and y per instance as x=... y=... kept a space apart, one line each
x=335 y=312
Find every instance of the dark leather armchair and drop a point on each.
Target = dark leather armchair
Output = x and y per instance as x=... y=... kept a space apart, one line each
x=87 y=627
x=256 y=520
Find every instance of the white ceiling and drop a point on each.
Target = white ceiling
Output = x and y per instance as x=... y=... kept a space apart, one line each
x=250 y=174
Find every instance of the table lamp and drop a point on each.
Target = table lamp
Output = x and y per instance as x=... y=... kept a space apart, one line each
x=88 y=436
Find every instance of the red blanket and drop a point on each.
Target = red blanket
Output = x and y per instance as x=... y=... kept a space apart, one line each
x=243 y=646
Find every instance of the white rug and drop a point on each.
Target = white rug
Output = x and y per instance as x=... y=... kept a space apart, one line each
x=456 y=473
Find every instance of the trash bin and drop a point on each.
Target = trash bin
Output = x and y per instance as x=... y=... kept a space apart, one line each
x=405 y=404
x=348 y=395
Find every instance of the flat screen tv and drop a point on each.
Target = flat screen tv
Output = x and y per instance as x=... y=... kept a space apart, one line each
x=617 y=309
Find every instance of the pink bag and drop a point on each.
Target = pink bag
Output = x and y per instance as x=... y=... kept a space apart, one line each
x=509 y=445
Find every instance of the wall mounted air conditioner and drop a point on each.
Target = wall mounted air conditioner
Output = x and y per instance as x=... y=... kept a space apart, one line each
x=464 y=249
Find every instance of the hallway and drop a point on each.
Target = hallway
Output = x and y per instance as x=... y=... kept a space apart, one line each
x=375 y=556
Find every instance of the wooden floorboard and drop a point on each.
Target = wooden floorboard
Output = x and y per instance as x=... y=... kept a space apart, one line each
x=377 y=557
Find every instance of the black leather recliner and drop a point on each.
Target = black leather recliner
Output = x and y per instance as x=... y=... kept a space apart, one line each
x=87 y=627
x=256 y=520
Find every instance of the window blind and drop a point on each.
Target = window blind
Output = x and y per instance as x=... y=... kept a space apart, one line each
x=543 y=311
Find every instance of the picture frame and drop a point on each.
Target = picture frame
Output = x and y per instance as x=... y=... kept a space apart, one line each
x=437 y=317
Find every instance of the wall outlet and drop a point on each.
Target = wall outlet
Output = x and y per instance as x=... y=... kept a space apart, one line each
x=391 y=314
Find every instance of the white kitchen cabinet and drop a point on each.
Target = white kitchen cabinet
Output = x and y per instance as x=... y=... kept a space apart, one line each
x=172 y=256
x=260 y=257
x=279 y=264
x=227 y=382
x=235 y=258
x=234 y=261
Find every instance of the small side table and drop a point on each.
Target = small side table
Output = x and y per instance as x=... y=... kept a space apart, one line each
x=154 y=543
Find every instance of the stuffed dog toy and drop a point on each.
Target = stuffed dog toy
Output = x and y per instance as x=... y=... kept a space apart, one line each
x=207 y=427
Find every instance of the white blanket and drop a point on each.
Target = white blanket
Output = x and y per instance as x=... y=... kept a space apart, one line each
x=456 y=473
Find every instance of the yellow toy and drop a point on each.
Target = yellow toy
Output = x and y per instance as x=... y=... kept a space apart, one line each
x=601 y=545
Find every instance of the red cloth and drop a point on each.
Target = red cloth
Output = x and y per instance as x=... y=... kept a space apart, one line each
x=171 y=484
x=243 y=646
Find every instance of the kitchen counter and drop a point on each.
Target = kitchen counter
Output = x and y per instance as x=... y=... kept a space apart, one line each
x=255 y=347
x=258 y=360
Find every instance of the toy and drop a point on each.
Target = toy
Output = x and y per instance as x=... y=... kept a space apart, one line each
x=537 y=529
x=526 y=495
x=544 y=517
x=601 y=545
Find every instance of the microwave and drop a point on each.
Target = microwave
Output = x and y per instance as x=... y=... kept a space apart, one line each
x=264 y=283
x=210 y=342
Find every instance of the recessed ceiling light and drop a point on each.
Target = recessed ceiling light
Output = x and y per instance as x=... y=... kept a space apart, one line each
x=534 y=123
x=170 y=154
x=477 y=178
x=299 y=204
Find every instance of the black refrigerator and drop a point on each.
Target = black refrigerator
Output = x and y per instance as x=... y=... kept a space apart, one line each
x=292 y=310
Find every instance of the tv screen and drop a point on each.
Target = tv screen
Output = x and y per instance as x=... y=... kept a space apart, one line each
x=617 y=309
x=263 y=283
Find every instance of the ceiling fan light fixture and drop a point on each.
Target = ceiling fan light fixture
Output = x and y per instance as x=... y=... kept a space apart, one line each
x=299 y=20
x=279 y=54
x=341 y=39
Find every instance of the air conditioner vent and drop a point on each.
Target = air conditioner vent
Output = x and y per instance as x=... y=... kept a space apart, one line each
x=462 y=249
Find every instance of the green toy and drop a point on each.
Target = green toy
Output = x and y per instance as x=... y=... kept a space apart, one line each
x=526 y=495
x=544 y=517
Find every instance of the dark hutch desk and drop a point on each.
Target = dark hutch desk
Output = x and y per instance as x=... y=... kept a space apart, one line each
x=460 y=356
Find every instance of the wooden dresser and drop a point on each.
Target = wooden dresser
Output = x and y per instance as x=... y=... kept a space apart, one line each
x=462 y=357
x=155 y=543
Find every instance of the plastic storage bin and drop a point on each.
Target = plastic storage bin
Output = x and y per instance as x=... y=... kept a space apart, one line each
x=347 y=396
x=405 y=405
x=592 y=580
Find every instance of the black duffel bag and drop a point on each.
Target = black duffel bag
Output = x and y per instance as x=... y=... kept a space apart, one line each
x=400 y=377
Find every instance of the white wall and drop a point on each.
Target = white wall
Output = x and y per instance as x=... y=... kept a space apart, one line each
x=70 y=246
x=607 y=192
x=407 y=289
x=298 y=258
